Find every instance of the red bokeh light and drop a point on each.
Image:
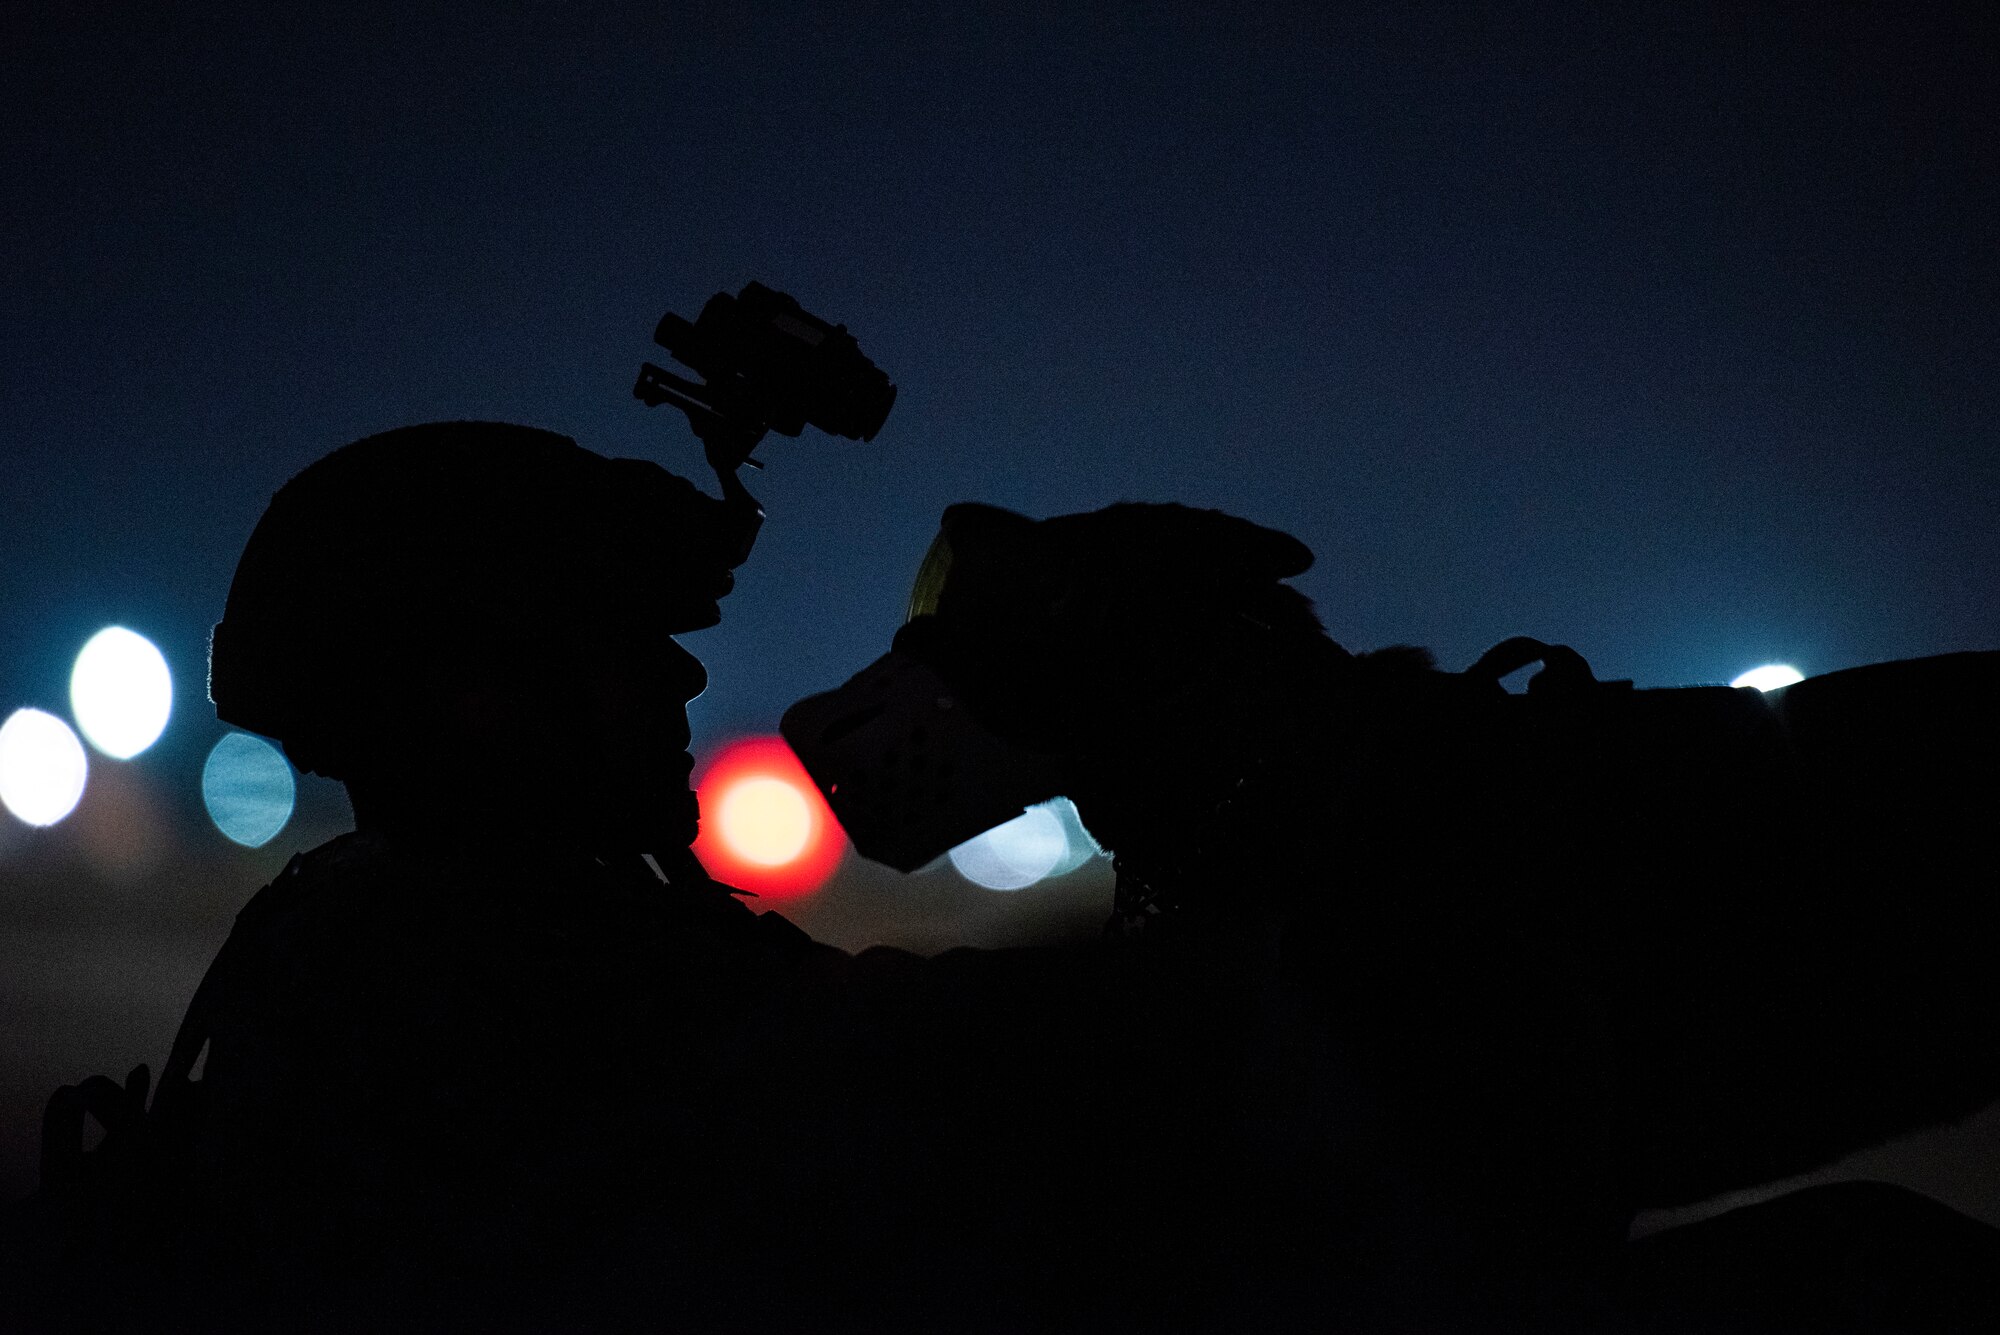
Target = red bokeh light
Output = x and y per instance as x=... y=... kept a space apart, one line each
x=765 y=758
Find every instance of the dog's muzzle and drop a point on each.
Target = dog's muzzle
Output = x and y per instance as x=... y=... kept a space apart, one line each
x=908 y=770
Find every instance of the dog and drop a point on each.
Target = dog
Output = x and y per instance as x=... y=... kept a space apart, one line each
x=1476 y=976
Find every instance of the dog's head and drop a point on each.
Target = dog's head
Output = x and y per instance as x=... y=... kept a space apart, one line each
x=1091 y=651
x=1071 y=633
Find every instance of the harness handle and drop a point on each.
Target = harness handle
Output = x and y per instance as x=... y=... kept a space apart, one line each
x=1564 y=670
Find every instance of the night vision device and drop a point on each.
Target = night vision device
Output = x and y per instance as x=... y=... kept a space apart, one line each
x=766 y=364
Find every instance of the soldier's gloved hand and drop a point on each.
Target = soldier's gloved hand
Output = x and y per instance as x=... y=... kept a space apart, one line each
x=121 y=1110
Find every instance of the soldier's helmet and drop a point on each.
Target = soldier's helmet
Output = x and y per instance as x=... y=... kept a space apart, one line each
x=392 y=554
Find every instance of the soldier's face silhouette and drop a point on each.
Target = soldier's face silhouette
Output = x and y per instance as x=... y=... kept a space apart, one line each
x=632 y=706
x=579 y=739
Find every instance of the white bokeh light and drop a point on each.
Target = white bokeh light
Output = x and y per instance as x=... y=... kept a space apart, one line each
x=1015 y=855
x=42 y=767
x=248 y=788
x=121 y=692
x=1770 y=677
x=766 y=820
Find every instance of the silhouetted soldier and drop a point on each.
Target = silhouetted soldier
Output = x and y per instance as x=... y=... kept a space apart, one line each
x=455 y=1058
x=432 y=1043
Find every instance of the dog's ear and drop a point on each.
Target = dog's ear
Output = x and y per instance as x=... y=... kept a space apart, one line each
x=1101 y=568
x=1186 y=546
x=978 y=522
x=1243 y=551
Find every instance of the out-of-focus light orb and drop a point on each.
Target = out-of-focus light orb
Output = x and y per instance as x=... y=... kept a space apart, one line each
x=766 y=820
x=1083 y=847
x=42 y=767
x=121 y=692
x=764 y=826
x=1770 y=677
x=124 y=829
x=1015 y=855
x=248 y=788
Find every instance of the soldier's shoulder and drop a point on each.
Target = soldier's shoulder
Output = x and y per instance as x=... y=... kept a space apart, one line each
x=334 y=880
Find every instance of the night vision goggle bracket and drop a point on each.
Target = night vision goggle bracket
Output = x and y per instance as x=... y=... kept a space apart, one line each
x=726 y=440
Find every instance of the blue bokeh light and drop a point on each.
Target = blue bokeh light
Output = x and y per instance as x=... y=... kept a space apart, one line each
x=248 y=788
x=1082 y=847
x=1015 y=855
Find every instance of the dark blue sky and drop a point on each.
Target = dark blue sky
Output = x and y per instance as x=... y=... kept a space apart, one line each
x=1670 y=338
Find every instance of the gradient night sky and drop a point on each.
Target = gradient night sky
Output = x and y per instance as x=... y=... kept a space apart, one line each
x=1671 y=338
